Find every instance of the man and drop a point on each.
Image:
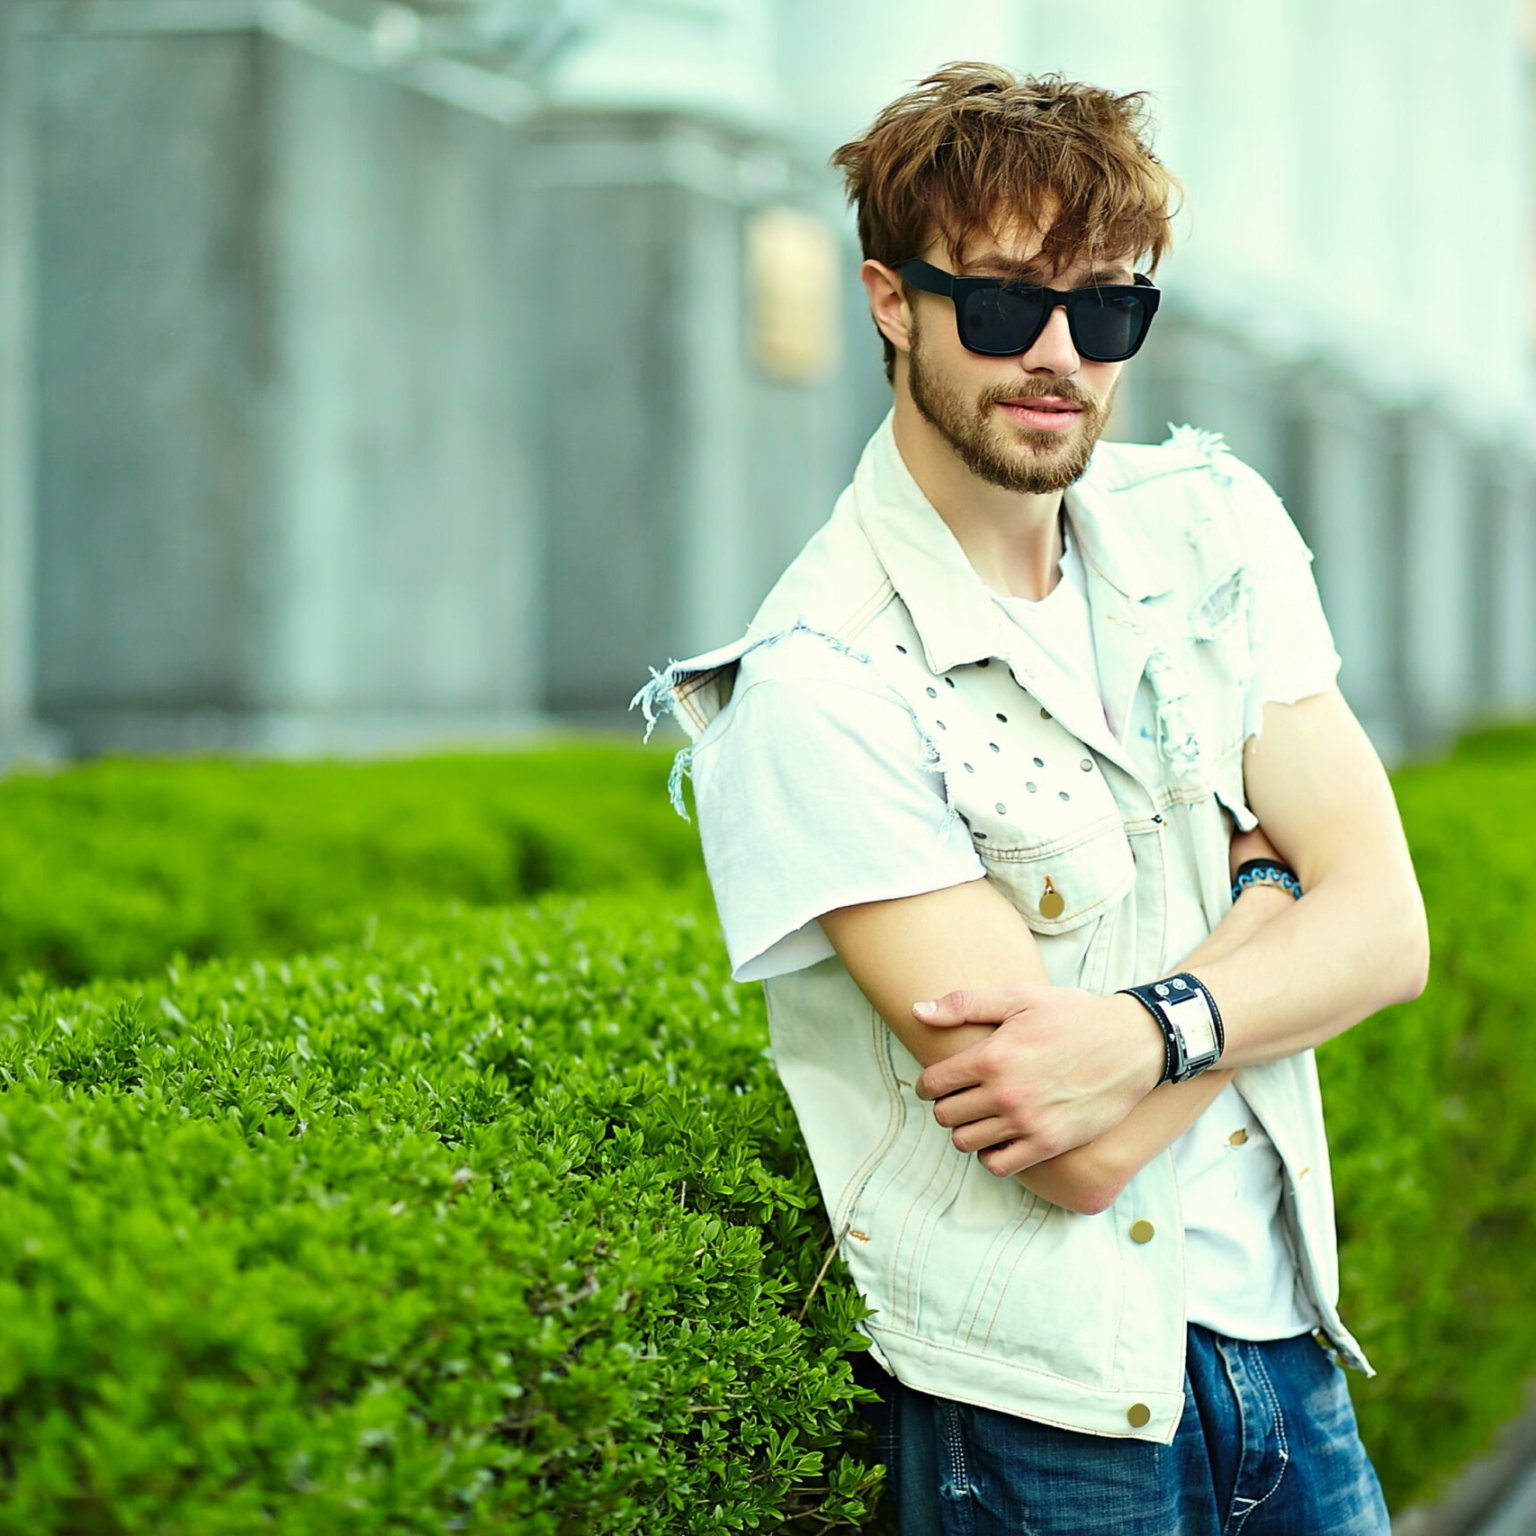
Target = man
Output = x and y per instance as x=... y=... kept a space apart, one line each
x=973 y=770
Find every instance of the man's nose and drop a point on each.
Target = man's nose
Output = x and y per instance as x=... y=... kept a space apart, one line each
x=1053 y=350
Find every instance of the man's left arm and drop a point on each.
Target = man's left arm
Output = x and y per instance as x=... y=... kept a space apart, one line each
x=1358 y=939
x=1356 y=942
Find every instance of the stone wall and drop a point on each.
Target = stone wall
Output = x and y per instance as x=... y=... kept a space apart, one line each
x=353 y=400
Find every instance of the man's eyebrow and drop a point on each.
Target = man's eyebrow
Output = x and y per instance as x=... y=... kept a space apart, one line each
x=994 y=262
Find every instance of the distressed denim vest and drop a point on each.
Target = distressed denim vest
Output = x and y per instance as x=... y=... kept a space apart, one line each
x=982 y=1291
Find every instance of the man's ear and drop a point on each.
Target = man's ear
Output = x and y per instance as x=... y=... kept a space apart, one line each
x=888 y=303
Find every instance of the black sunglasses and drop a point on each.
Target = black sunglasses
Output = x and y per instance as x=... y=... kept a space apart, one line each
x=1001 y=318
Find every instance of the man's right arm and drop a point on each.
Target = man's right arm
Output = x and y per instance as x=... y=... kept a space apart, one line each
x=815 y=805
x=970 y=936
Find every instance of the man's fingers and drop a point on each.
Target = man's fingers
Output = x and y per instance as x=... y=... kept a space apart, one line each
x=978 y=1135
x=946 y=1077
x=1013 y=1157
x=984 y=1005
x=965 y=1106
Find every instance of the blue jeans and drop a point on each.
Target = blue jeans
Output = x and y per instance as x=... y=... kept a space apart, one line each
x=1267 y=1446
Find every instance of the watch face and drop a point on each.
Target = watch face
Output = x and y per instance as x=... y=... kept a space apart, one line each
x=1193 y=1017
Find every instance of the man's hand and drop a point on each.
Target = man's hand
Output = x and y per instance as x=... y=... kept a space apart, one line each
x=1063 y=1068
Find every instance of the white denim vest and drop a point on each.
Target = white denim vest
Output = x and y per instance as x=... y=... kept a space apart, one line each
x=982 y=1291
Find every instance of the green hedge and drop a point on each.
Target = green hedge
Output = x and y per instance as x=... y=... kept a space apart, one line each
x=499 y=1223
x=246 y=1282
x=114 y=867
x=1430 y=1112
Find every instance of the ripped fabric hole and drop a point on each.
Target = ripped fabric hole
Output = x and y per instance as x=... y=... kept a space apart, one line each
x=1177 y=739
x=1221 y=606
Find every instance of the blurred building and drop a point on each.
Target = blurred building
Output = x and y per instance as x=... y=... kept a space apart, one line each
x=380 y=375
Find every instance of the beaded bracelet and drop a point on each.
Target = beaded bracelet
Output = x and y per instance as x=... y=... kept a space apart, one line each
x=1266 y=872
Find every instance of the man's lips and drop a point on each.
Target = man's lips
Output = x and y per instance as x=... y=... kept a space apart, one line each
x=1044 y=403
x=1045 y=413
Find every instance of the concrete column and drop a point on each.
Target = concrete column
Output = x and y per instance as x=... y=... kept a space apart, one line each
x=282 y=403
x=22 y=738
x=401 y=596
x=151 y=358
x=678 y=476
x=1438 y=501
x=1344 y=502
x=1510 y=686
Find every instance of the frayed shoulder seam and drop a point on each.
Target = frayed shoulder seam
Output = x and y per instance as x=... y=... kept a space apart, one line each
x=667 y=689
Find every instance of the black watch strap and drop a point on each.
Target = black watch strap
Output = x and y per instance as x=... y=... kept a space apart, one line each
x=1186 y=1013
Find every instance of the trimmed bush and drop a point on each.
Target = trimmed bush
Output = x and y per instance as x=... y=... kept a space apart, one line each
x=500 y=1224
x=114 y=867
x=500 y=1221
x=1430 y=1109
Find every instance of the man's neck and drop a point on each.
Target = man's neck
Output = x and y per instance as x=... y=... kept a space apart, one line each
x=1012 y=538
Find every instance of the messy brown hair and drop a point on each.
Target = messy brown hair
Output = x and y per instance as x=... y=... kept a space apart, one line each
x=974 y=147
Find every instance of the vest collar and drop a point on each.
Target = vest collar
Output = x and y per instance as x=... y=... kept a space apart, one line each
x=951 y=607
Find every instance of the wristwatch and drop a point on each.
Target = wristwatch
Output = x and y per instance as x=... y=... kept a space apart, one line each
x=1193 y=1036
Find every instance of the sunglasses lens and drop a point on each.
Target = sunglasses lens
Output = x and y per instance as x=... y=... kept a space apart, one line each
x=1110 y=325
x=1000 y=323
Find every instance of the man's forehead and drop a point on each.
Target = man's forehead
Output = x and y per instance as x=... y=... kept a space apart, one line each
x=993 y=262
x=1015 y=252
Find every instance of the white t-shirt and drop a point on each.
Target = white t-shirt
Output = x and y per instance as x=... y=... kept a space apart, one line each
x=1242 y=1279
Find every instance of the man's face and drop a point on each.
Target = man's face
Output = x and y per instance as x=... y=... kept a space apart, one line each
x=1027 y=423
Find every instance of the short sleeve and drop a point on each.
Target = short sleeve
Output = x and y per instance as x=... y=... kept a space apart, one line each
x=1293 y=649
x=816 y=794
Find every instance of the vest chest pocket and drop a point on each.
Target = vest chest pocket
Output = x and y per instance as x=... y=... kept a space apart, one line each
x=1059 y=887
x=1068 y=892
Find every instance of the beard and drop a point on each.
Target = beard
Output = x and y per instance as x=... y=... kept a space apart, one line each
x=1001 y=452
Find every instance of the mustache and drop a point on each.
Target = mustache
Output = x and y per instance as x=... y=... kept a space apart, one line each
x=1060 y=389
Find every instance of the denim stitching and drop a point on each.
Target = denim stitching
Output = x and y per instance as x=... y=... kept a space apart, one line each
x=1242 y=1432
x=1000 y=1247
x=1254 y=1356
x=853 y=1190
x=962 y=1504
x=1012 y=1269
x=904 y=1279
x=1068 y=842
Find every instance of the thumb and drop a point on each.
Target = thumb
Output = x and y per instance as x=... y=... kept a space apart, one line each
x=981 y=1005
